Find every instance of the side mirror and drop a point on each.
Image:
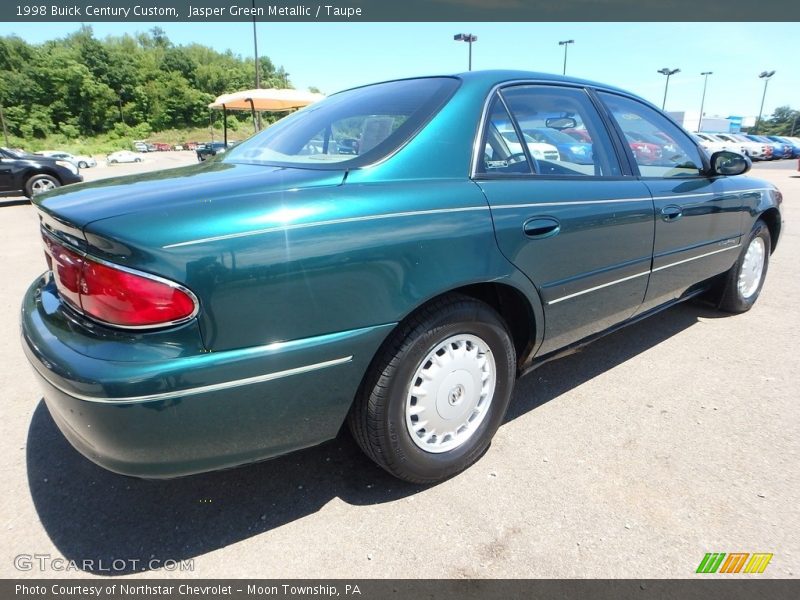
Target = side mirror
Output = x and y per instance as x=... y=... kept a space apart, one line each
x=561 y=123
x=726 y=162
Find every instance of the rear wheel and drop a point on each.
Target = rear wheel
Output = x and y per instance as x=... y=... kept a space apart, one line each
x=742 y=284
x=39 y=184
x=437 y=392
x=83 y=165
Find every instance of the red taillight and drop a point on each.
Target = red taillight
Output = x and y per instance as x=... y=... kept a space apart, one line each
x=116 y=296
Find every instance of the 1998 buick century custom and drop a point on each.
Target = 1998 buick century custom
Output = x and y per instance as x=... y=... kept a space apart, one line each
x=235 y=310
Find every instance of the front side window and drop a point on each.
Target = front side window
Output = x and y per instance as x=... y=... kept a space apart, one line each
x=562 y=130
x=349 y=129
x=659 y=147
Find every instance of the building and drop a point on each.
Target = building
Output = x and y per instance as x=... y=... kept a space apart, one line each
x=690 y=120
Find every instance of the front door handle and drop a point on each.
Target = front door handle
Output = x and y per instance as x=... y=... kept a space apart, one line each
x=541 y=227
x=671 y=213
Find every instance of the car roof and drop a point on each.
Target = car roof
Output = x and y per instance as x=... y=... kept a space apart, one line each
x=492 y=77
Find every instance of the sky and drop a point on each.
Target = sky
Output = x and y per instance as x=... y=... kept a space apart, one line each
x=335 y=56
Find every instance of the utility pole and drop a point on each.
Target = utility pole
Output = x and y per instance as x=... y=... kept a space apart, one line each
x=3 y=121
x=703 y=101
x=565 y=43
x=766 y=76
x=669 y=73
x=469 y=38
x=255 y=52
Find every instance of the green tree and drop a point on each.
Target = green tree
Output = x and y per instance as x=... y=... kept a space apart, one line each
x=80 y=86
x=782 y=122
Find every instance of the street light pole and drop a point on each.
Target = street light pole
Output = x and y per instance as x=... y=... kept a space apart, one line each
x=669 y=73
x=565 y=43
x=766 y=76
x=469 y=38
x=703 y=101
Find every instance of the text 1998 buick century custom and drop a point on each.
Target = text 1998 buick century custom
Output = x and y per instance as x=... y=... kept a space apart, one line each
x=228 y=312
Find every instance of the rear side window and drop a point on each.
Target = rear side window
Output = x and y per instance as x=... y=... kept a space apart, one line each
x=563 y=132
x=660 y=148
x=503 y=153
x=349 y=129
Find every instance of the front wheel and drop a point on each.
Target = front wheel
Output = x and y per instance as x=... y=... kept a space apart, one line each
x=437 y=391
x=742 y=284
x=83 y=165
x=39 y=184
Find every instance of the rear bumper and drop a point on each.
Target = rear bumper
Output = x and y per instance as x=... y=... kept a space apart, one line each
x=183 y=415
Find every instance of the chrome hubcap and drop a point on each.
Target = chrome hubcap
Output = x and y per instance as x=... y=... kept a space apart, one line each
x=752 y=268
x=450 y=393
x=42 y=185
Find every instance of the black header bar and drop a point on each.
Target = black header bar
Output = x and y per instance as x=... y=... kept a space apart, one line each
x=92 y=11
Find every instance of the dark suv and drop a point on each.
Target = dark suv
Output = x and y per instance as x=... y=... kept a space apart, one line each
x=211 y=149
x=28 y=175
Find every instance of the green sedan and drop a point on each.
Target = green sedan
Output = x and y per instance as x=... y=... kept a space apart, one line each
x=392 y=257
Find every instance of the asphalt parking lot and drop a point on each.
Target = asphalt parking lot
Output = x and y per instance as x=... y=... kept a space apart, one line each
x=672 y=438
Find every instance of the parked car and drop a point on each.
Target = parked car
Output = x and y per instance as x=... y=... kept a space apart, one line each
x=783 y=148
x=227 y=312
x=191 y=145
x=794 y=143
x=162 y=147
x=210 y=149
x=80 y=161
x=123 y=156
x=779 y=149
x=568 y=148
x=348 y=146
x=754 y=150
x=644 y=151
x=140 y=147
x=713 y=144
x=710 y=145
x=23 y=174
x=538 y=150
x=579 y=134
x=177 y=147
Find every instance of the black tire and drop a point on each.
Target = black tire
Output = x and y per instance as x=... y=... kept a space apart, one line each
x=138 y=160
x=731 y=298
x=113 y=161
x=378 y=416
x=38 y=180
x=83 y=165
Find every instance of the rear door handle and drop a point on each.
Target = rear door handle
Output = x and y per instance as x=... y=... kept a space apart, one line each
x=671 y=213
x=541 y=227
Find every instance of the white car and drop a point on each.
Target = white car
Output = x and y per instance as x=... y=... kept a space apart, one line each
x=755 y=150
x=711 y=145
x=79 y=161
x=538 y=150
x=123 y=156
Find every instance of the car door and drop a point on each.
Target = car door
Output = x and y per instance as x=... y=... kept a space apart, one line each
x=698 y=218
x=583 y=233
x=8 y=167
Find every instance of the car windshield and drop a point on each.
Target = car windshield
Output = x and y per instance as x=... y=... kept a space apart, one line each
x=349 y=129
x=12 y=153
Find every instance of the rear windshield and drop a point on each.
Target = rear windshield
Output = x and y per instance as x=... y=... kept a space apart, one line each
x=349 y=129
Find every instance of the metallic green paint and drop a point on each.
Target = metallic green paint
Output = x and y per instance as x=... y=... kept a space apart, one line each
x=98 y=402
x=296 y=268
